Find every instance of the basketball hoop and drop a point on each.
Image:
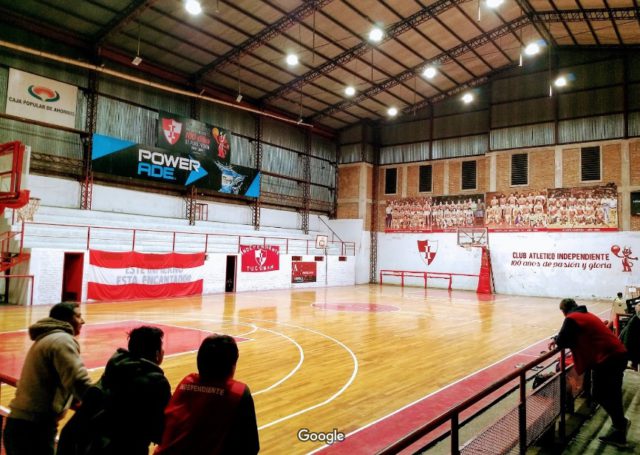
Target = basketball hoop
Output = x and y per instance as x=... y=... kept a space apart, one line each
x=472 y=237
x=26 y=213
x=321 y=241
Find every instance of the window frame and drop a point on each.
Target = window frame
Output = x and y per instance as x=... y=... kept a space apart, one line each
x=512 y=184
x=430 y=190
x=386 y=173
x=462 y=165
x=582 y=150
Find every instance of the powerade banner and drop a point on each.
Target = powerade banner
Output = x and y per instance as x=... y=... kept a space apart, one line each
x=128 y=159
x=188 y=136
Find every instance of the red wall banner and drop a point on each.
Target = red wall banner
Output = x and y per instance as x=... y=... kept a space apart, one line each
x=259 y=258
x=303 y=272
x=131 y=275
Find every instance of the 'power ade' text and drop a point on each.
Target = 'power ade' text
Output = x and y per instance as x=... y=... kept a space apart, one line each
x=161 y=165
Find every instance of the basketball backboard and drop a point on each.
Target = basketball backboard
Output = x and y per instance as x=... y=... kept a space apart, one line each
x=472 y=237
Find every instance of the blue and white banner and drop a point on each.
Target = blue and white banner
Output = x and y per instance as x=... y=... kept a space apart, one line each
x=127 y=159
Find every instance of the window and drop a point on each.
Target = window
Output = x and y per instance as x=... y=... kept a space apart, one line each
x=390 y=180
x=590 y=164
x=469 y=175
x=519 y=169
x=424 y=185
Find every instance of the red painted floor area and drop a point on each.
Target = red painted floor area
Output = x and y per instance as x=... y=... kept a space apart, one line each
x=98 y=342
x=390 y=429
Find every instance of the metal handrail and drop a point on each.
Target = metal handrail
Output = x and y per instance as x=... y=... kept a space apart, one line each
x=308 y=244
x=453 y=414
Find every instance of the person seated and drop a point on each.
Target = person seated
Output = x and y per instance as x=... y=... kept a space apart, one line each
x=210 y=412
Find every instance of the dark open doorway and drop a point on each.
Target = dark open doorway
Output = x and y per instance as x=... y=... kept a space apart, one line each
x=230 y=278
x=72 y=277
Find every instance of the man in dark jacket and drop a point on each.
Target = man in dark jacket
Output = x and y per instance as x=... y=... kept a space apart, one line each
x=52 y=376
x=595 y=347
x=124 y=413
x=210 y=413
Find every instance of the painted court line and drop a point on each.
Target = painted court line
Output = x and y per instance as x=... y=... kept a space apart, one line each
x=390 y=428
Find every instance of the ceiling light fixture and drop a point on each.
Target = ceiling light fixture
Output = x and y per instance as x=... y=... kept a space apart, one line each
x=392 y=111
x=467 y=98
x=532 y=49
x=494 y=3
x=193 y=7
x=137 y=59
x=239 y=98
x=292 y=59
x=375 y=35
x=429 y=72
x=350 y=91
x=561 y=81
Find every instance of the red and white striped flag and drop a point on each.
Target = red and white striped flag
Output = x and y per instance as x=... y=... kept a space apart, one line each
x=132 y=275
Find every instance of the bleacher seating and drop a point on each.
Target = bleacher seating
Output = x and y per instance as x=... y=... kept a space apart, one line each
x=66 y=228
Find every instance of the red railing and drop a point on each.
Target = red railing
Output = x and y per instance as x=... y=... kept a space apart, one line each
x=452 y=416
x=422 y=274
x=91 y=234
x=16 y=149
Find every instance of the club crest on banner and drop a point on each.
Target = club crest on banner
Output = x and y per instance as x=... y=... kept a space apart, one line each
x=171 y=130
x=428 y=250
x=259 y=258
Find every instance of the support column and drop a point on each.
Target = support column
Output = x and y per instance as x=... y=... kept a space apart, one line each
x=255 y=207
x=306 y=189
x=86 y=188
x=373 y=259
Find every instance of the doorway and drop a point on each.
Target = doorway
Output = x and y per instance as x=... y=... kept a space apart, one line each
x=72 y=277
x=230 y=278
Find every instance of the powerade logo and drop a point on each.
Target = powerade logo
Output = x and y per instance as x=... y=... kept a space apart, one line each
x=162 y=166
x=43 y=93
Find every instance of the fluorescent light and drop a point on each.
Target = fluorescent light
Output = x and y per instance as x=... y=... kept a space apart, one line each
x=350 y=91
x=532 y=49
x=193 y=7
x=392 y=111
x=429 y=72
x=292 y=59
x=494 y=3
x=467 y=98
x=561 y=81
x=376 y=35
x=136 y=60
x=239 y=98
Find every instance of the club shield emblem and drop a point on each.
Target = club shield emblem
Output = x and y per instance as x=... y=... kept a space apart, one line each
x=428 y=250
x=171 y=130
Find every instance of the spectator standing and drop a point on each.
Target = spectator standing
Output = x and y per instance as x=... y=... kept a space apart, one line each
x=594 y=347
x=52 y=376
x=124 y=413
x=211 y=413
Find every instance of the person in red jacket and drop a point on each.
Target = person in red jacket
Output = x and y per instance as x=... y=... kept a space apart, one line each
x=595 y=347
x=210 y=413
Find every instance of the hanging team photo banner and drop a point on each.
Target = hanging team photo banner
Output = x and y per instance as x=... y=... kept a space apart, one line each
x=303 y=272
x=434 y=214
x=562 y=209
x=189 y=136
x=259 y=258
x=128 y=159
x=40 y=98
x=132 y=275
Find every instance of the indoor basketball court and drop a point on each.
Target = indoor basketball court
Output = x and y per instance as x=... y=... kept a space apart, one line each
x=367 y=361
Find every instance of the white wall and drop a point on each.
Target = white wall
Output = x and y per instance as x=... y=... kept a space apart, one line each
x=56 y=192
x=47 y=267
x=599 y=274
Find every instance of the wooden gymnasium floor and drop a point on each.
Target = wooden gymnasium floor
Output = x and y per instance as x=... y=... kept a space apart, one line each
x=370 y=361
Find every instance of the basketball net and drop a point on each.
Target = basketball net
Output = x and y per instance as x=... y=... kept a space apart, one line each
x=26 y=213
